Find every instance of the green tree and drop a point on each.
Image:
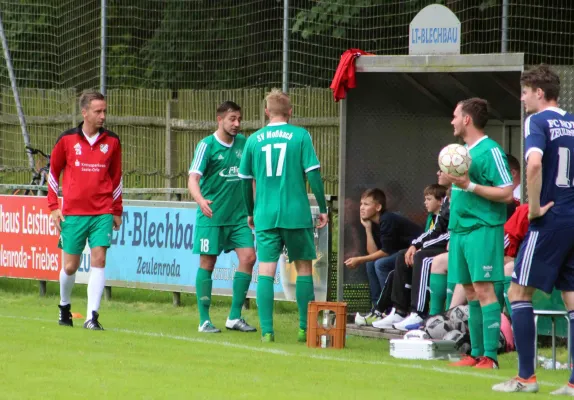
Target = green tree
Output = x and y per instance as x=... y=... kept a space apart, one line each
x=335 y=17
x=131 y=25
x=209 y=45
x=31 y=30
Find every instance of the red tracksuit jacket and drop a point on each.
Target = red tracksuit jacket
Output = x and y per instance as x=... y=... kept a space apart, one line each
x=515 y=230
x=92 y=181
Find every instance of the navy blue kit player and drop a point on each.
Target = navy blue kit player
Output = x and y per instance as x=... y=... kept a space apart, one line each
x=546 y=257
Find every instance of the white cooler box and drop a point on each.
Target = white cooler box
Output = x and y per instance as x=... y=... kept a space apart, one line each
x=425 y=349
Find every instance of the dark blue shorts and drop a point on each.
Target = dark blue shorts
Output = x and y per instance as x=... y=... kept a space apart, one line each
x=546 y=257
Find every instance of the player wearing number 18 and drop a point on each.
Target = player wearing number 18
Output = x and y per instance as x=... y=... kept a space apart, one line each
x=278 y=157
x=546 y=257
x=221 y=218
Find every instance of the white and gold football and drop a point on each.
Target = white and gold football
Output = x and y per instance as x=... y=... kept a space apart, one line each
x=454 y=159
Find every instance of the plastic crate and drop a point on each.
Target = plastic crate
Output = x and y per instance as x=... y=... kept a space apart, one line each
x=326 y=324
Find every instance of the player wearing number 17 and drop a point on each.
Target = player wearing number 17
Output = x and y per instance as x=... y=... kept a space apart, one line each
x=278 y=157
x=546 y=257
x=220 y=223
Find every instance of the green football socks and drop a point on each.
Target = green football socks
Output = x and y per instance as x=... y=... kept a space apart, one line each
x=203 y=284
x=438 y=293
x=265 y=304
x=475 y=328
x=304 y=293
x=491 y=329
x=241 y=282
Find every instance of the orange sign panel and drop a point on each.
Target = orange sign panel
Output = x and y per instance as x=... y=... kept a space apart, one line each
x=28 y=239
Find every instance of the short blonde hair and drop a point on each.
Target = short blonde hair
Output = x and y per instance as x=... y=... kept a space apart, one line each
x=278 y=103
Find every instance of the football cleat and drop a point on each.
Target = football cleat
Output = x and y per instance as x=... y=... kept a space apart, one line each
x=239 y=324
x=413 y=318
x=412 y=327
x=93 y=324
x=268 y=338
x=388 y=321
x=566 y=390
x=208 y=327
x=465 y=361
x=368 y=319
x=486 y=363
x=518 y=385
x=65 y=317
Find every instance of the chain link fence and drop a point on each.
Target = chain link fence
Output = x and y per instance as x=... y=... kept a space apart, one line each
x=166 y=65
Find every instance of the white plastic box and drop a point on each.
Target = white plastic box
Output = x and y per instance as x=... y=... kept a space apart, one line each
x=426 y=349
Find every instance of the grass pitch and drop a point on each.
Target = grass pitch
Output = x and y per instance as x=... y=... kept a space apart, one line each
x=152 y=350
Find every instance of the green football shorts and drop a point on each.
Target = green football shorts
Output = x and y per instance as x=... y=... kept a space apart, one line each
x=212 y=240
x=476 y=256
x=300 y=244
x=76 y=229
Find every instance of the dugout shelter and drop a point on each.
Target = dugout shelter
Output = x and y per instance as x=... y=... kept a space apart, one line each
x=393 y=125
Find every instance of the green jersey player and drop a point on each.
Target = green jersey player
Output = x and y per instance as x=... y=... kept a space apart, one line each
x=277 y=158
x=476 y=226
x=221 y=218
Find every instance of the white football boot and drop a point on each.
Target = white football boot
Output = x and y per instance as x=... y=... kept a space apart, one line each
x=517 y=385
x=388 y=321
x=412 y=319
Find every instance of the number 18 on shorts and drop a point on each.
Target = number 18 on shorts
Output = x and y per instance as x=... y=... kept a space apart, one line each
x=212 y=240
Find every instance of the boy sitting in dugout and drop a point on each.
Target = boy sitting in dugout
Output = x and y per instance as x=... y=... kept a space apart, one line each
x=433 y=195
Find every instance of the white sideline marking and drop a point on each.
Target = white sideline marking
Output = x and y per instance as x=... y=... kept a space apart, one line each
x=450 y=371
x=205 y=341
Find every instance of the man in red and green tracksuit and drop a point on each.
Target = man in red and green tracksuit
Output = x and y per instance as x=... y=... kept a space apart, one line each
x=89 y=159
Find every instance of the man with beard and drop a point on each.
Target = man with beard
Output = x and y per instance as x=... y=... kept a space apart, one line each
x=476 y=226
x=221 y=222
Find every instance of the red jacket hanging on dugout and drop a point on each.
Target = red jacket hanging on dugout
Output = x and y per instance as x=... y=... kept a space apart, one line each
x=344 y=78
